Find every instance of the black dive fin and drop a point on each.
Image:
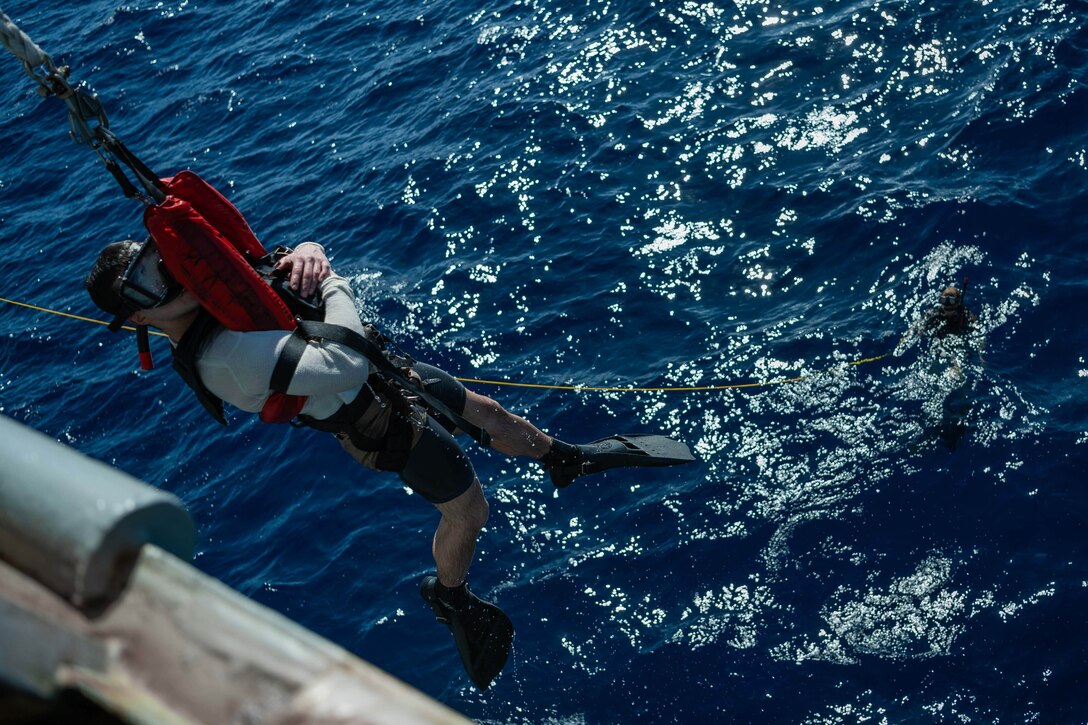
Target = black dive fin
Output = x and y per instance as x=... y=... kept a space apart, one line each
x=482 y=632
x=621 y=451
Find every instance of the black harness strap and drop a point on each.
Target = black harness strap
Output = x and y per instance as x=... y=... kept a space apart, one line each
x=343 y=421
x=185 y=356
x=287 y=363
x=147 y=178
x=393 y=448
x=353 y=340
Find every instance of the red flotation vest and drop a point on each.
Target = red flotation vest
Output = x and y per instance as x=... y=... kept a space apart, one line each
x=208 y=247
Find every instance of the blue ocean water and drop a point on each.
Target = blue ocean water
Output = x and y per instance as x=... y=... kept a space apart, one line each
x=656 y=194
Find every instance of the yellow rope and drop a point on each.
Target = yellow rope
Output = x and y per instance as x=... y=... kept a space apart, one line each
x=539 y=386
x=690 y=389
x=74 y=317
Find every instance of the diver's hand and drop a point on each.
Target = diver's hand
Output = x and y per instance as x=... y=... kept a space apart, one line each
x=308 y=266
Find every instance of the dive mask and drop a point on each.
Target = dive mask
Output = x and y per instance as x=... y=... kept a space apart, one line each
x=950 y=300
x=145 y=283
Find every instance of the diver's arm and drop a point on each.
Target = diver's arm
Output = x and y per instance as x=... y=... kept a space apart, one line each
x=329 y=367
x=931 y=321
x=237 y=366
x=920 y=326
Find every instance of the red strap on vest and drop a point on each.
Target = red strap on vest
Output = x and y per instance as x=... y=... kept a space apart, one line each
x=282 y=408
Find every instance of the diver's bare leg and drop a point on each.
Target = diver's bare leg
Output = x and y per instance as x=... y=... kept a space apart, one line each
x=455 y=538
x=510 y=434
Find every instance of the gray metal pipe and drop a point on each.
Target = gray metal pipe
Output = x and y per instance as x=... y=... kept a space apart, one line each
x=75 y=524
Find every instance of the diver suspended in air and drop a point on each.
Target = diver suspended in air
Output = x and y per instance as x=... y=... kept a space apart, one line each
x=279 y=335
x=331 y=372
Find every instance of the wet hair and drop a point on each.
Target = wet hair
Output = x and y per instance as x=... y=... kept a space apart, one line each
x=102 y=281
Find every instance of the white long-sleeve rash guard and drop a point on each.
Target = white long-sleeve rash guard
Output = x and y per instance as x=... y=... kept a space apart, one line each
x=237 y=366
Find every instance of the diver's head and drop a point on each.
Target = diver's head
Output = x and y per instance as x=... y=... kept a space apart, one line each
x=951 y=300
x=129 y=276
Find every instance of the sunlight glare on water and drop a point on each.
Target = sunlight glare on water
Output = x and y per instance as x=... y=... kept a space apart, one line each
x=751 y=195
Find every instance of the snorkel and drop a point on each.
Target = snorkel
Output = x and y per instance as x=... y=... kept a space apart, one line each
x=145 y=284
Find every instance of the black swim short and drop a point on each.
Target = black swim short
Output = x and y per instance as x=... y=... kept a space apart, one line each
x=437 y=468
x=443 y=386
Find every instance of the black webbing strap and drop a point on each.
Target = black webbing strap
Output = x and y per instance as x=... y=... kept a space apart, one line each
x=292 y=354
x=127 y=187
x=287 y=363
x=147 y=178
x=185 y=355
